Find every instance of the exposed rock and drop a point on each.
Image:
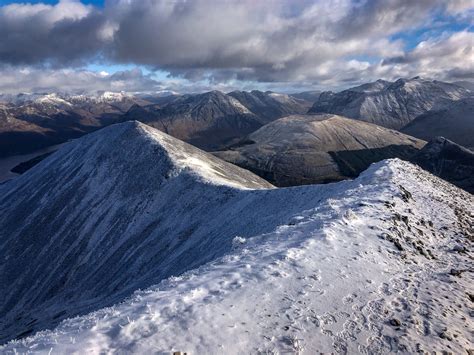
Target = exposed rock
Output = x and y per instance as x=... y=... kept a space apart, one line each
x=395 y=322
x=24 y=166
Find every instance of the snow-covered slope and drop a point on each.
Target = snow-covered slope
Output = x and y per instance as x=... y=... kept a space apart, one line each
x=391 y=105
x=311 y=149
x=375 y=265
x=118 y=210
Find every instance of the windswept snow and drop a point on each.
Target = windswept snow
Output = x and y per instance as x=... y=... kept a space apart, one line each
x=382 y=263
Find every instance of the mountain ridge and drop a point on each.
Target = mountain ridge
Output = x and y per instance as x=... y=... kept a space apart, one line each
x=347 y=272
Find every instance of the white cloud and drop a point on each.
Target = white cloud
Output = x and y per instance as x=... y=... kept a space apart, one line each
x=29 y=79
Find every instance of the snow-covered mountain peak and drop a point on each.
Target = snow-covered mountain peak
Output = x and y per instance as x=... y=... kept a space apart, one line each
x=207 y=167
x=109 y=96
x=52 y=99
x=392 y=105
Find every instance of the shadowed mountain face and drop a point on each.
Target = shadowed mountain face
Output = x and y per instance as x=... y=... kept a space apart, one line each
x=308 y=96
x=270 y=106
x=449 y=161
x=469 y=85
x=391 y=105
x=207 y=121
x=455 y=122
x=32 y=122
x=311 y=149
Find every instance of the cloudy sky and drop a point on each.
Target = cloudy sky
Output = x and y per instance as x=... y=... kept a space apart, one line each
x=196 y=45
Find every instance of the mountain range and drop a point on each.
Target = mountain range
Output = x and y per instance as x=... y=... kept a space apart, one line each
x=214 y=120
x=390 y=104
x=257 y=130
x=29 y=122
x=32 y=121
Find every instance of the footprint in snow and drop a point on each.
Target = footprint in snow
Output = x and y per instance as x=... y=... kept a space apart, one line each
x=349 y=298
x=328 y=319
x=339 y=345
x=384 y=289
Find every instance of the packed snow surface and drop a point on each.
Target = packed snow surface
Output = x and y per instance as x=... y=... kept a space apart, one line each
x=375 y=265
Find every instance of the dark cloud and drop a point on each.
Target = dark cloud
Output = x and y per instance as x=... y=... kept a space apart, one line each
x=66 y=34
x=372 y=18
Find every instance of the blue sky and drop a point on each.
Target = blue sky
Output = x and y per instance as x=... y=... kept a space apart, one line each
x=282 y=45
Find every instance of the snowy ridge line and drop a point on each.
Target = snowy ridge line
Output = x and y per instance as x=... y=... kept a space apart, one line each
x=354 y=274
x=102 y=217
x=205 y=166
x=64 y=98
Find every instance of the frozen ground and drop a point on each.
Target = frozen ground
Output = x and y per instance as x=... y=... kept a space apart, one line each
x=382 y=264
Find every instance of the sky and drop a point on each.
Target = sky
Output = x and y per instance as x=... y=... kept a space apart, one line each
x=200 y=45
